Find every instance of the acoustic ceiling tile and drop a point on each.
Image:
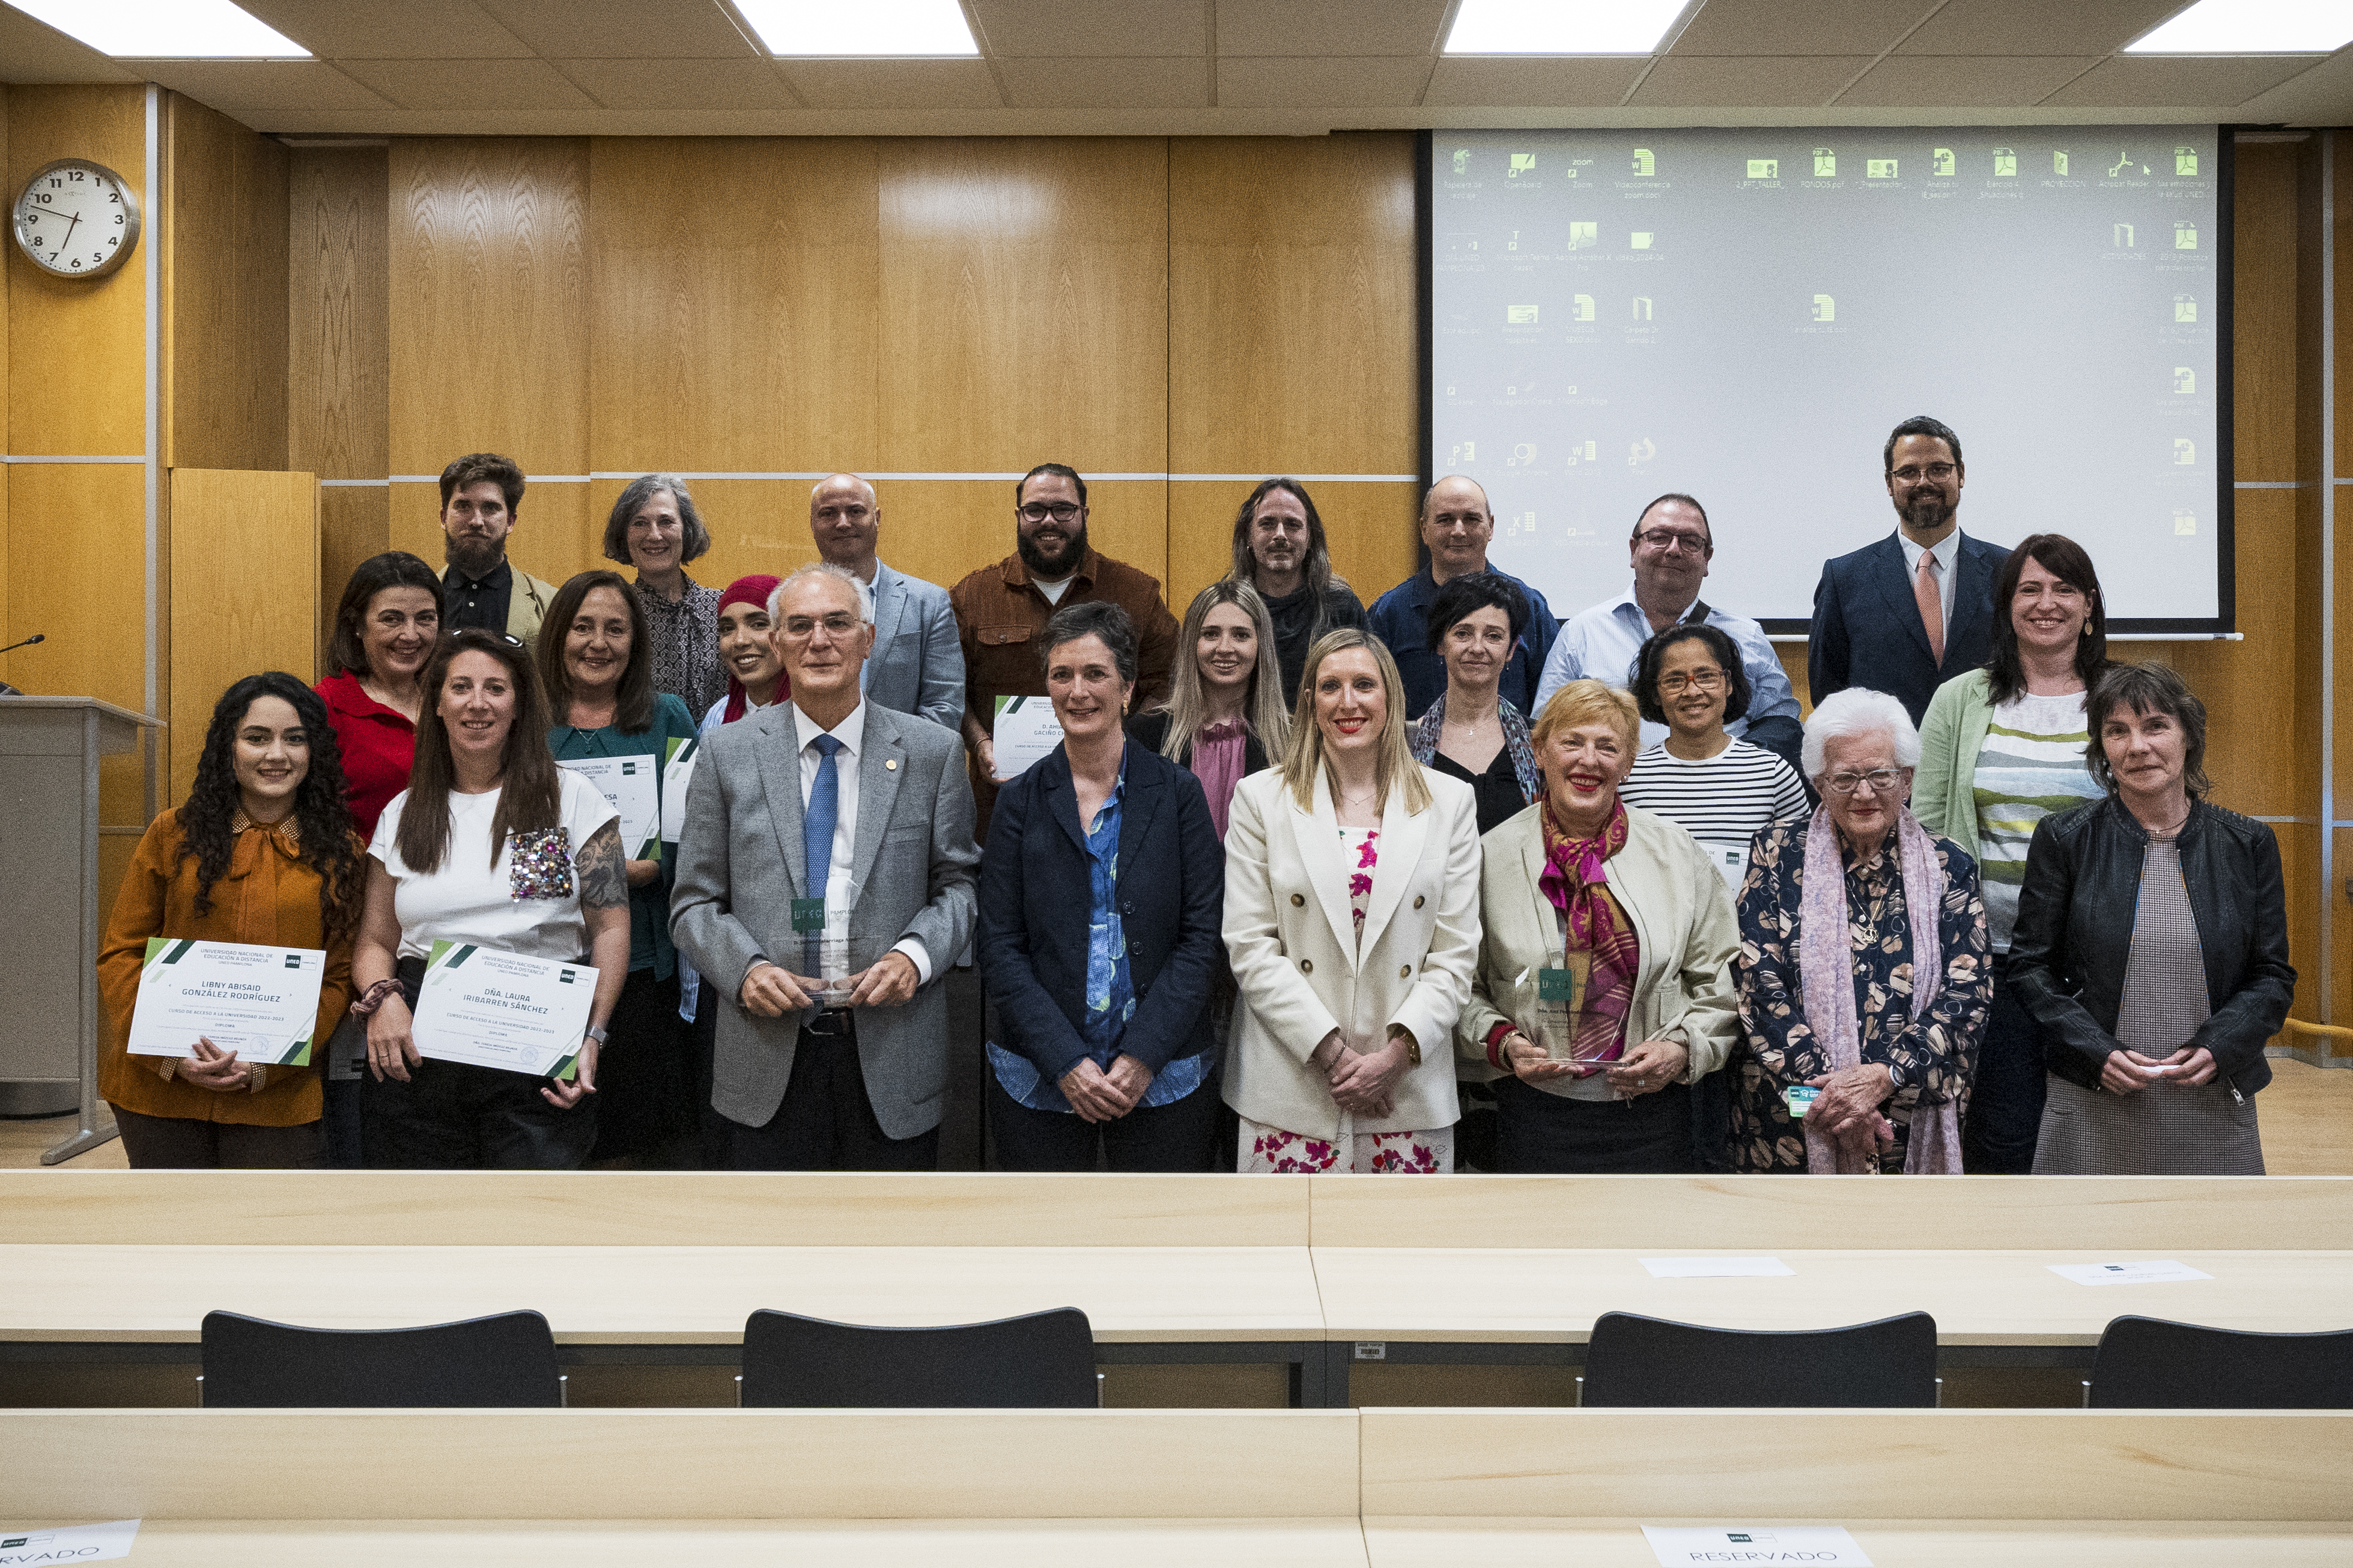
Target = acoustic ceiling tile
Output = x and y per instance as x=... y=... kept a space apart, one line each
x=1492 y=81
x=1063 y=28
x=472 y=85
x=1817 y=28
x=625 y=29
x=1322 y=28
x=1376 y=83
x=1785 y=81
x=32 y=52
x=640 y=86
x=893 y=84
x=1961 y=82
x=2146 y=81
x=1175 y=83
x=2321 y=96
x=2036 y=27
x=239 y=87
x=407 y=29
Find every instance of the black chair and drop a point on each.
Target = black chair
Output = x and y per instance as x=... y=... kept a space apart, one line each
x=2148 y=1364
x=1042 y=1361
x=503 y=1362
x=1639 y=1361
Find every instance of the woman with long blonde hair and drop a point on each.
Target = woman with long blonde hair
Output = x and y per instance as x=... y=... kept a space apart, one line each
x=1352 y=925
x=1224 y=719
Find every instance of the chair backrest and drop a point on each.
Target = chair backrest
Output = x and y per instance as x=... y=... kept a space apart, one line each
x=1042 y=1361
x=503 y=1360
x=2148 y=1364
x=1633 y=1359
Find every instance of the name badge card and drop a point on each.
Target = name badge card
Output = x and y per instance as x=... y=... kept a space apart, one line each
x=678 y=771
x=2164 y=1273
x=74 y=1544
x=1819 y=1545
x=1025 y=731
x=1732 y=861
x=502 y=1010
x=628 y=785
x=261 y=1003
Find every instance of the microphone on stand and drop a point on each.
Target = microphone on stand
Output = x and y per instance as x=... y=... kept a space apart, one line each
x=7 y=690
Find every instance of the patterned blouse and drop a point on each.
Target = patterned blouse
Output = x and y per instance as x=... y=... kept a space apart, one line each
x=684 y=642
x=1364 y=844
x=1937 y=1055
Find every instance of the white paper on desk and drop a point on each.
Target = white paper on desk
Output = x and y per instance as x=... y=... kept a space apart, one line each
x=1025 y=731
x=1825 y=1546
x=2127 y=1273
x=1716 y=1267
x=74 y=1544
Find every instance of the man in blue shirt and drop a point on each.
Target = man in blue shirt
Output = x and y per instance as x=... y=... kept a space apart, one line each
x=1670 y=548
x=1456 y=525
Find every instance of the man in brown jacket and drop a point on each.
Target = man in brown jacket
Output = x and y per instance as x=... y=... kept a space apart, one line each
x=1001 y=609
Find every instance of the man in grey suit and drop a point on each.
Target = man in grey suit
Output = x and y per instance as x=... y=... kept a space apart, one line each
x=917 y=665
x=832 y=1051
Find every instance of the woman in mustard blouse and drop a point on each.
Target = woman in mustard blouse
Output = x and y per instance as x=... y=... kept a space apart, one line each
x=262 y=852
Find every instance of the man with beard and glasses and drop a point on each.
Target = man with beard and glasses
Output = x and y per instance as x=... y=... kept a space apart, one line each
x=482 y=494
x=1000 y=611
x=1909 y=613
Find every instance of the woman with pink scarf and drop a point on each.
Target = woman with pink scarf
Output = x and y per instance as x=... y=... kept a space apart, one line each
x=1863 y=976
x=1602 y=1009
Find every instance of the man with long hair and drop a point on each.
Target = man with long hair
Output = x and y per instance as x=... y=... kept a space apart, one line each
x=1280 y=549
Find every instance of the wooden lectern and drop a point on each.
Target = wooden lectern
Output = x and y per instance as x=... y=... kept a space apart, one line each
x=49 y=919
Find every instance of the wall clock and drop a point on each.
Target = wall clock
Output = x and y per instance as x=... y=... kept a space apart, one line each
x=75 y=218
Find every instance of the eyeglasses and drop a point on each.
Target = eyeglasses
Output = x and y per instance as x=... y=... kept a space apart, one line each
x=1677 y=683
x=1038 y=511
x=1881 y=781
x=1939 y=472
x=840 y=624
x=1664 y=540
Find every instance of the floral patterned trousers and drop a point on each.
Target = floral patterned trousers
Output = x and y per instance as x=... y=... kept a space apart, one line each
x=1425 y=1153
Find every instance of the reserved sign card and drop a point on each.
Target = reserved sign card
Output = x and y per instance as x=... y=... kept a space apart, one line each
x=1820 y=1545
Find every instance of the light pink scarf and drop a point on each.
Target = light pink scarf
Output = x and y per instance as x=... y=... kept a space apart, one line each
x=1826 y=979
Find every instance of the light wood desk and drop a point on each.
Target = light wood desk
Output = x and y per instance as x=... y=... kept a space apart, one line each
x=1515 y=1269
x=1915 y=1489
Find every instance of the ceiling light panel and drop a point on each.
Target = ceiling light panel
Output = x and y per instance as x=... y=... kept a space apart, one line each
x=865 y=30
x=1555 y=27
x=2251 y=27
x=166 y=30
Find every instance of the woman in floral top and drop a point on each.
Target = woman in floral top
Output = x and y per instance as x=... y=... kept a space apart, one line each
x=1839 y=915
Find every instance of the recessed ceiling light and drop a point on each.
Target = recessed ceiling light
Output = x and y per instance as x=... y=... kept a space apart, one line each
x=166 y=30
x=1555 y=27
x=2251 y=27
x=853 y=29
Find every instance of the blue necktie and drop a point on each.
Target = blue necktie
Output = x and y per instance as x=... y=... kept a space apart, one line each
x=817 y=834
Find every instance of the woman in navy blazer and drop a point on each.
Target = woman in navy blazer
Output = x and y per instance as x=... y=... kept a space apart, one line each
x=1101 y=900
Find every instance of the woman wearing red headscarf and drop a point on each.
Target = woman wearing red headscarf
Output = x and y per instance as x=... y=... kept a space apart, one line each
x=755 y=679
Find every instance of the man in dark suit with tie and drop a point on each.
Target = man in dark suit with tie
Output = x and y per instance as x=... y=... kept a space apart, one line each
x=1909 y=613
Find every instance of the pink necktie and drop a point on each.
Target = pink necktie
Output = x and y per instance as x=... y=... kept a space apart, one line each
x=1932 y=606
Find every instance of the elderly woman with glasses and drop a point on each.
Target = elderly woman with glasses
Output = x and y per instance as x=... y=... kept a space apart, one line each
x=1862 y=972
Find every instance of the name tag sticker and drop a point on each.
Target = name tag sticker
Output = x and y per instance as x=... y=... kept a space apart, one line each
x=1824 y=1546
x=1731 y=862
x=809 y=915
x=1556 y=985
x=2127 y=1273
x=1799 y=1097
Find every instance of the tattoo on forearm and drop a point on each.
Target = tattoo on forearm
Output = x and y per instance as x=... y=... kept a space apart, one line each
x=604 y=875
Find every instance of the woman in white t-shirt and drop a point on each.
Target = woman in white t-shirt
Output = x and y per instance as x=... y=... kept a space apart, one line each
x=1721 y=791
x=492 y=844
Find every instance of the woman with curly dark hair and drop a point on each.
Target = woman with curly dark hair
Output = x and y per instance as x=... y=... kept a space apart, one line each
x=262 y=852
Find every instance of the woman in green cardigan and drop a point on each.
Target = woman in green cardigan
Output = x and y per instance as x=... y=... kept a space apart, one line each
x=2002 y=748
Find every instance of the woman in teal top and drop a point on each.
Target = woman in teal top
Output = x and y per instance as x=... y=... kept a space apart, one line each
x=596 y=663
x=2002 y=748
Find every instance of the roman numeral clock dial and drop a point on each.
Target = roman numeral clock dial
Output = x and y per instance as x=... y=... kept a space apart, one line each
x=76 y=219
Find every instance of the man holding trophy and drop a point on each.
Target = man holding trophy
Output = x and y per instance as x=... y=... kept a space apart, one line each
x=825 y=882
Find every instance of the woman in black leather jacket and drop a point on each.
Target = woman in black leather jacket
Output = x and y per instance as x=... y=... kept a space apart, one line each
x=2152 y=948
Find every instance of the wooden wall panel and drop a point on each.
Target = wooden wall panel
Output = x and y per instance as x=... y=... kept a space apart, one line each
x=2266 y=423
x=225 y=292
x=77 y=369
x=1025 y=300
x=223 y=520
x=338 y=368
x=490 y=306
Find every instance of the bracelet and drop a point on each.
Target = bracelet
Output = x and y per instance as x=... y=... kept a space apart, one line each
x=374 y=997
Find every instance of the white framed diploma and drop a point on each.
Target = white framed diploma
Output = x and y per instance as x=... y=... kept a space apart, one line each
x=628 y=785
x=678 y=771
x=1026 y=730
x=501 y=1009
x=261 y=1003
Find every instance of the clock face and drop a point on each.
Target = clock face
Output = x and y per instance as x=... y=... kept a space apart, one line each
x=76 y=219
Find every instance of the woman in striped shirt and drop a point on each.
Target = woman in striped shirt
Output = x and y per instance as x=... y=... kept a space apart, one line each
x=2002 y=748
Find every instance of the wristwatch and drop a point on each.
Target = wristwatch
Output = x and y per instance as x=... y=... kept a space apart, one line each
x=596 y=1032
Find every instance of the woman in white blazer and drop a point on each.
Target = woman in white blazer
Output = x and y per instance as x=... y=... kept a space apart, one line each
x=1603 y=1007
x=1352 y=924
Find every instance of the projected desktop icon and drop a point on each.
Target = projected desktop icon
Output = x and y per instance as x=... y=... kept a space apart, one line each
x=1641 y=238
x=1879 y=168
x=1942 y=162
x=2122 y=236
x=2185 y=380
x=1764 y=168
x=1641 y=307
x=2124 y=164
x=1463 y=160
x=1646 y=163
x=1463 y=452
x=2185 y=523
x=1641 y=452
x=1581 y=307
x=2185 y=309
x=2185 y=452
x=1519 y=315
x=1513 y=243
x=1521 y=163
x=1592 y=452
x=1825 y=164
x=2185 y=235
x=1521 y=455
x=1584 y=236
x=2184 y=162
x=1825 y=308
x=2005 y=163
x=2059 y=163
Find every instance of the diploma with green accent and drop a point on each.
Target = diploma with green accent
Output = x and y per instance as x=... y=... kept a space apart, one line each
x=261 y=1003
x=501 y=1009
